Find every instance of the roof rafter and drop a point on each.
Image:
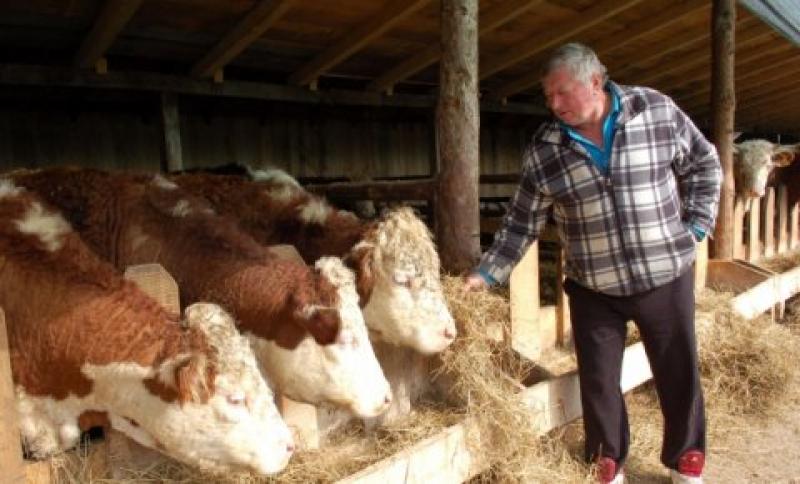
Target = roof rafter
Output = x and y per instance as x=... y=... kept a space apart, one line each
x=487 y=22
x=359 y=37
x=625 y=36
x=545 y=40
x=113 y=17
x=248 y=30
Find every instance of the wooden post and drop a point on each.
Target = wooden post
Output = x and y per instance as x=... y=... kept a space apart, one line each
x=563 y=329
x=701 y=265
x=769 y=222
x=457 y=124
x=794 y=229
x=754 y=242
x=173 y=156
x=783 y=219
x=10 y=448
x=723 y=104
x=526 y=336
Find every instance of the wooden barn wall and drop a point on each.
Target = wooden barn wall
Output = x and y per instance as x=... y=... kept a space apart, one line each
x=122 y=131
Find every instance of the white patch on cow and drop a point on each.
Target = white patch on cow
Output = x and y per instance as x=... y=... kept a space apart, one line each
x=237 y=428
x=137 y=237
x=8 y=189
x=345 y=373
x=181 y=209
x=274 y=176
x=47 y=425
x=163 y=183
x=314 y=211
x=49 y=226
x=282 y=193
x=407 y=306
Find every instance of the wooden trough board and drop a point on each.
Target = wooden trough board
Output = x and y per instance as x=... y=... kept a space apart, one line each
x=759 y=290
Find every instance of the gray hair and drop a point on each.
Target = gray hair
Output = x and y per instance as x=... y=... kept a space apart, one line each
x=579 y=59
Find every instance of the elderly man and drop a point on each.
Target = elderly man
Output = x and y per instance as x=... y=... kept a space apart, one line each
x=632 y=185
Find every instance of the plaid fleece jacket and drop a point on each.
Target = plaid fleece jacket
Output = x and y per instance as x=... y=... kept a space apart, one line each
x=626 y=232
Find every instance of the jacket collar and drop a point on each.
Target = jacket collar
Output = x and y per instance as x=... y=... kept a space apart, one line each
x=632 y=103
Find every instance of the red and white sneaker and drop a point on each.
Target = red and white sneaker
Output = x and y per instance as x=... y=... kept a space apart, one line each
x=690 y=468
x=607 y=472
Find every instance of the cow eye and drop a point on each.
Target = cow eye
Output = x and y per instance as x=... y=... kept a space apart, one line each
x=237 y=398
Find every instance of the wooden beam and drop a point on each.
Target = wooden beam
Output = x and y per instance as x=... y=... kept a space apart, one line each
x=549 y=38
x=488 y=21
x=723 y=100
x=173 y=154
x=356 y=39
x=778 y=93
x=113 y=17
x=47 y=76
x=10 y=448
x=526 y=334
x=625 y=36
x=248 y=30
x=423 y=189
x=457 y=212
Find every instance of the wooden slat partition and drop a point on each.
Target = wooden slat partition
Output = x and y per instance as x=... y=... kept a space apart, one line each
x=10 y=449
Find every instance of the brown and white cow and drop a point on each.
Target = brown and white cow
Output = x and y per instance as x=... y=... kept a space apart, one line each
x=754 y=160
x=395 y=260
x=305 y=323
x=87 y=345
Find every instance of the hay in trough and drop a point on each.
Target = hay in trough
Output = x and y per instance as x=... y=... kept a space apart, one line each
x=782 y=262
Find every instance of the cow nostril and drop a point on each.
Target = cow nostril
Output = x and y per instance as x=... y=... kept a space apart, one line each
x=290 y=447
x=387 y=400
x=449 y=333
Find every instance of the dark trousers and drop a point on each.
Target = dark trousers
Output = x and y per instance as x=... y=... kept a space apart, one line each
x=665 y=318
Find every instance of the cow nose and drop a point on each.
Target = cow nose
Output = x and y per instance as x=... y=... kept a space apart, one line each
x=449 y=333
x=290 y=447
x=387 y=400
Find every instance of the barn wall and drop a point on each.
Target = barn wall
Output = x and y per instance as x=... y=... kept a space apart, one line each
x=121 y=130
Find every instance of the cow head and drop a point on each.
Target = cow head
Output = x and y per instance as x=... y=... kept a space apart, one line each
x=339 y=368
x=753 y=162
x=210 y=408
x=406 y=306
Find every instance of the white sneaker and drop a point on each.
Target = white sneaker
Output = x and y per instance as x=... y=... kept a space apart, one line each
x=678 y=478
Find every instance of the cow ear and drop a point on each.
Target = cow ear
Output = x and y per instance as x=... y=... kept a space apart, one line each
x=194 y=379
x=783 y=155
x=322 y=323
x=361 y=260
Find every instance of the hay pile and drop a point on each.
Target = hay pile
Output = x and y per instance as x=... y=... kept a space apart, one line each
x=744 y=366
x=782 y=262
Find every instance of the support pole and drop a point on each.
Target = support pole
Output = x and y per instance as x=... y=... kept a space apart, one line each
x=457 y=124
x=173 y=155
x=10 y=448
x=723 y=105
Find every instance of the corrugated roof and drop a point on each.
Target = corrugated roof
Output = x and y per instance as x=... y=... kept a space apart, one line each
x=781 y=15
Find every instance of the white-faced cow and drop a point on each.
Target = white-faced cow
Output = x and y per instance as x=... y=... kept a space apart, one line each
x=395 y=260
x=304 y=322
x=754 y=160
x=88 y=347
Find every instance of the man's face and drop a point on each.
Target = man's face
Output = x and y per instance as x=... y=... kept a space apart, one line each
x=570 y=100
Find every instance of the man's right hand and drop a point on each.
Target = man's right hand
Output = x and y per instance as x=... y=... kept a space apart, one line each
x=474 y=282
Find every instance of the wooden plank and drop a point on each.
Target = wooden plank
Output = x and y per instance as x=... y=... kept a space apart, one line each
x=524 y=301
x=487 y=22
x=545 y=40
x=48 y=76
x=115 y=14
x=701 y=264
x=734 y=275
x=171 y=124
x=737 y=232
x=356 y=39
x=753 y=231
x=422 y=189
x=458 y=130
x=768 y=216
x=10 y=448
x=563 y=332
x=728 y=232
x=783 y=219
x=301 y=418
x=248 y=30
